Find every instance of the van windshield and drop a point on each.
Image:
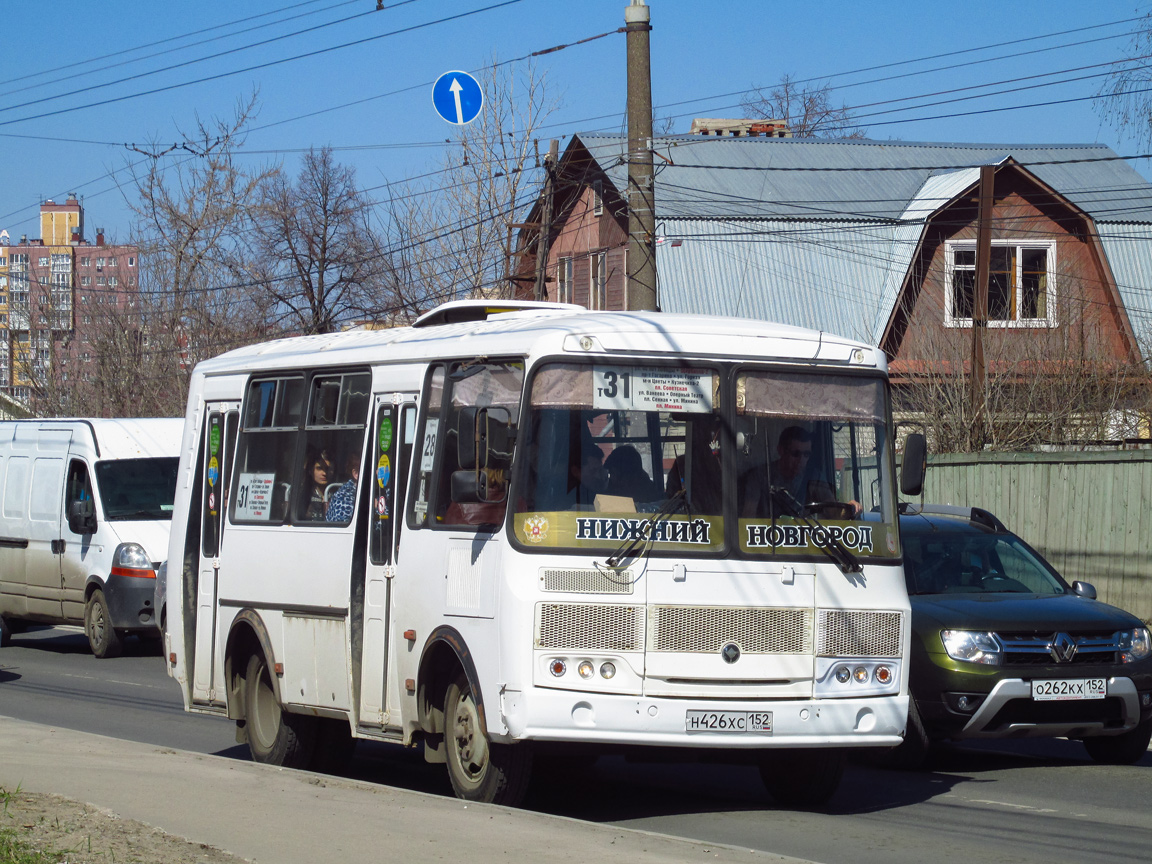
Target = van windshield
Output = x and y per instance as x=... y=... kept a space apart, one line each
x=137 y=489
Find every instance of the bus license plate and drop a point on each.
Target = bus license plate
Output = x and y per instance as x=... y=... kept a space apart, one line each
x=756 y=722
x=1069 y=688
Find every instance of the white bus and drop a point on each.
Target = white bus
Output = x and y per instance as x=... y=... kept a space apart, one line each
x=511 y=532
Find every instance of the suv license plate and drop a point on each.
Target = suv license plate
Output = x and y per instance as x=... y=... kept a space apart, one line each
x=1062 y=689
x=756 y=722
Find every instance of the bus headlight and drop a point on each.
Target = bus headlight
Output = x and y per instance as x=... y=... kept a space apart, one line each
x=558 y=667
x=586 y=669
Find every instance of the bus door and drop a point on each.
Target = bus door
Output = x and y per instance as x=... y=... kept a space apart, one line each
x=389 y=452
x=216 y=451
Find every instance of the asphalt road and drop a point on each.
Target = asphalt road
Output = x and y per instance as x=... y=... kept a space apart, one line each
x=1027 y=801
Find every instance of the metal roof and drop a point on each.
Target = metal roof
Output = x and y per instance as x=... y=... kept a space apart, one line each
x=700 y=176
x=1129 y=252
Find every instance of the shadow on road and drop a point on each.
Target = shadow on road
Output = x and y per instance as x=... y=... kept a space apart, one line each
x=6 y=676
x=60 y=640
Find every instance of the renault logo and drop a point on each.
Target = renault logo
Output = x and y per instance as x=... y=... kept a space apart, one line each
x=1062 y=648
x=730 y=652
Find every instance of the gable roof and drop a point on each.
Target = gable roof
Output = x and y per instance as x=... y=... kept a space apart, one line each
x=746 y=224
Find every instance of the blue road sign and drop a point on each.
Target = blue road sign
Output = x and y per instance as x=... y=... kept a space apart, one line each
x=457 y=97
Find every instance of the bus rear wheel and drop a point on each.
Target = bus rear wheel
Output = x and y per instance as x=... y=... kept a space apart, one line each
x=479 y=769
x=802 y=778
x=103 y=638
x=275 y=737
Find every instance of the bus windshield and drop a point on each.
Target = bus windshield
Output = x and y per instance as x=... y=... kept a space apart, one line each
x=137 y=489
x=617 y=450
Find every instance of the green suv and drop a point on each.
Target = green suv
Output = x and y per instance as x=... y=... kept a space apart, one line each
x=1003 y=647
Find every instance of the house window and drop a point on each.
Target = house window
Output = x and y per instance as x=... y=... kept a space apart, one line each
x=564 y=281
x=99 y=262
x=112 y=261
x=43 y=261
x=1020 y=287
x=85 y=262
x=597 y=295
x=597 y=197
x=131 y=260
x=85 y=280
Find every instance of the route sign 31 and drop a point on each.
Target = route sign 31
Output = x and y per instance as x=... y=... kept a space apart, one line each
x=457 y=97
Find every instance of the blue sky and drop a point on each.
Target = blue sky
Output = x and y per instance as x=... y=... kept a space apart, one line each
x=703 y=52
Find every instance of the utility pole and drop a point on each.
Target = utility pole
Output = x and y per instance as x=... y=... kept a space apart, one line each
x=980 y=306
x=543 y=240
x=641 y=287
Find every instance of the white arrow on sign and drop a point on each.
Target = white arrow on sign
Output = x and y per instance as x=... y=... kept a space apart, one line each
x=456 y=88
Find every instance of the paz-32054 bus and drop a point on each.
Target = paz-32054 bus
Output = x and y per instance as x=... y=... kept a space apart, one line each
x=504 y=533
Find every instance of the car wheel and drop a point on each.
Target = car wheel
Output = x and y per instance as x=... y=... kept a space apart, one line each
x=275 y=737
x=911 y=754
x=802 y=778
x=1123 y=749
x=478 y=769
x=103 y=638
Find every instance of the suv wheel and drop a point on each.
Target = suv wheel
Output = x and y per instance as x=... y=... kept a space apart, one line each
x=1122 y=749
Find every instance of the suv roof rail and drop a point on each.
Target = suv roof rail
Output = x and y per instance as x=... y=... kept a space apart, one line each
x=976 y=514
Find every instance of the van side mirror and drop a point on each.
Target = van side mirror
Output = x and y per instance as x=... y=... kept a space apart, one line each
x=915 y=465
x=82 y=517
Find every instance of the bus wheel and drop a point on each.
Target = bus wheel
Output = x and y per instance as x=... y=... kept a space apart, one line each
x=102 y=636
x=5 y=632
x=480 y=770
x=275 y=737
x=802 y=778
x=335 y=746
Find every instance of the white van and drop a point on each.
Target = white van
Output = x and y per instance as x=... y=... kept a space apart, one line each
x=85 y=508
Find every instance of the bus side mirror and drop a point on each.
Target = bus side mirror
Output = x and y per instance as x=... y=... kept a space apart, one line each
x=484 y=438
x=82 y=517
x=915 y=464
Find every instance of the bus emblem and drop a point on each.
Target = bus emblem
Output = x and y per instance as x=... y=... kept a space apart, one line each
x=536 y=528
x=730 y=652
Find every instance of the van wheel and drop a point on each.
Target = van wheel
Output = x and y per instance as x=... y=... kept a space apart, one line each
x=102 y=636
x=1123 y=749
x=275 y=737
x=802 y=778
x=480 y=770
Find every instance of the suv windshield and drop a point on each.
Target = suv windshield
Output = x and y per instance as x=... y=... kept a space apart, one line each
x=609 y=445
x=972 y=562
x=137 y=488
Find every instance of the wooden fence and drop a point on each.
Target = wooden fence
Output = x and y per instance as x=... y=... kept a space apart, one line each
x=1089 y=513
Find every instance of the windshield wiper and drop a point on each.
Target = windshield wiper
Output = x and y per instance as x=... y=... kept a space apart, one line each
x=628 y=546
x=831 y=546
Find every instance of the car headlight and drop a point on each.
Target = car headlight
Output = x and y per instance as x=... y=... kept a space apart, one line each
x=972 y=646
x=1135 y=645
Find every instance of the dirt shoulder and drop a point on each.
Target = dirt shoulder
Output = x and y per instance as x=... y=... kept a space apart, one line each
x=82 y=834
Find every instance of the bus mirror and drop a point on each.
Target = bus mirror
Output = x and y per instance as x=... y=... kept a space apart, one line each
x=915 y=464
x=82 y=517
x=465 y=441
x=468 y=486
x=484 y=438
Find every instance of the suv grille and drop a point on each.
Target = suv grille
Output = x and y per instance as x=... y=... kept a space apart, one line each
x=1032 y=649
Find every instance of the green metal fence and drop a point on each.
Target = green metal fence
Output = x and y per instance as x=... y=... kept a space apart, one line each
x=1090 y=514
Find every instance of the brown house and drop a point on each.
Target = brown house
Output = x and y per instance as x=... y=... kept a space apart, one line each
x=877 y=241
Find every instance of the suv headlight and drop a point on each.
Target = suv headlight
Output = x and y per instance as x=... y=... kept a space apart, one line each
x=1135 y=645
x=972 y=646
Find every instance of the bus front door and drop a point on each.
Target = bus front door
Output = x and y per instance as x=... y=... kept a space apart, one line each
x=389 y=452
x=216 y=452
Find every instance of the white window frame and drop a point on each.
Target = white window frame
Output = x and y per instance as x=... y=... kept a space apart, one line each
x=598 y=280
x=597 y=197
x=564 y=279
x=952 y=320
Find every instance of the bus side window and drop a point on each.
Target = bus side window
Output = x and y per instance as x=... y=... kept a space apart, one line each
x=393 y=433
x=430 y=436
x=333 y=447
x=266 y=450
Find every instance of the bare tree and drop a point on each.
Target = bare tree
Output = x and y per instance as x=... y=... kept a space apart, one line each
x=321 y=263
x=1126 y=102
x=190 y=221
x=456 y=233
x=806 y=108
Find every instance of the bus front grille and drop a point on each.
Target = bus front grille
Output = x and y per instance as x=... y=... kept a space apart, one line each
x=858 y=633
x=586 y=580
x=707 y=629
x=589 y=627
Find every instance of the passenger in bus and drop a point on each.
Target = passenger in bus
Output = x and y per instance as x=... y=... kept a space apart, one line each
x=705 y=489
x=587 y=478
x=317 y=471
x=790 y=485
x=340 y=503
x=626 y=475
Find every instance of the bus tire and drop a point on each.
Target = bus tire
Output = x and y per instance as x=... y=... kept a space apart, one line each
x=275 y=737
x=478 y=769
x=334 y=746
x=5 y=632
x=103 y=638
x=802 y=778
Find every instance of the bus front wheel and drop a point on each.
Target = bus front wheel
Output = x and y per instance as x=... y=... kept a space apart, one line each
x=480 y=770
x=275 y=737
x=802 y=778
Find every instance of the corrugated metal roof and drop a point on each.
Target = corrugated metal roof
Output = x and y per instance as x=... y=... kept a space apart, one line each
x=790 y=177
x=1129 y=252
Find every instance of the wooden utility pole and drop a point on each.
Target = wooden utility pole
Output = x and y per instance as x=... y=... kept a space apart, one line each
x=545 y=235
x=641 y=288
x=976 y=378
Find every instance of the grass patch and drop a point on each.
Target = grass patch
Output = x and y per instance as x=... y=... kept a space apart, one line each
x=13 y=850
